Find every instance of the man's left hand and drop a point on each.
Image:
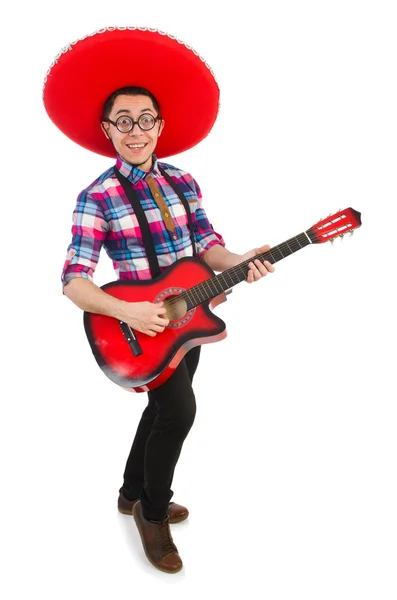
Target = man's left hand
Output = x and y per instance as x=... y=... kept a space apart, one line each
x=257 y=268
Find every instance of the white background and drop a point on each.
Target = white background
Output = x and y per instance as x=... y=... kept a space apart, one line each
x=290 y=469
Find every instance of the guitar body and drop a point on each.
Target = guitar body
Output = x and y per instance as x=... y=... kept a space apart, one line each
x=160 y=354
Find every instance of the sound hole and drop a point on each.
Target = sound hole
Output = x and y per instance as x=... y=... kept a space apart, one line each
x=176 y=307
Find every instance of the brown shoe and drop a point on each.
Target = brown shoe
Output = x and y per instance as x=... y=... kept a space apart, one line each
x=176 y=512
x=157 y=542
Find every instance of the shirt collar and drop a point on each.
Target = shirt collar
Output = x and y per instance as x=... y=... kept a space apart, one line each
x=133 y=173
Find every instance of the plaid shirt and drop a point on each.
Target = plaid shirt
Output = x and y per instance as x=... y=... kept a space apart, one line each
x=104 y=217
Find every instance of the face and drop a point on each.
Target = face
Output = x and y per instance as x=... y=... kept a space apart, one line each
x=137 y=146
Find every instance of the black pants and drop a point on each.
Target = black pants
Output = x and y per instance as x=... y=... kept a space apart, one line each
x=158 y=441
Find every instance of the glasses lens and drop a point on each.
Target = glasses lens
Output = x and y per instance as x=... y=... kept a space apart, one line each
x=124 y=124
x=146 y=121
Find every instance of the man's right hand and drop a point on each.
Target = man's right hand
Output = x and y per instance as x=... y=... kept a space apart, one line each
x=147 y=317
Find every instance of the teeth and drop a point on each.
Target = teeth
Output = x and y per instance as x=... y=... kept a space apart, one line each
x=136 y=145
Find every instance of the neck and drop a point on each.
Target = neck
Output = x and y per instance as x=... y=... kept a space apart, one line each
x=148 y=162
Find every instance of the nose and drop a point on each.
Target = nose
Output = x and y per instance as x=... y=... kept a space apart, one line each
x=131 y=131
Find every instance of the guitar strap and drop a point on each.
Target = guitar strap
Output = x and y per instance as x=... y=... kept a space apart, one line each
x=143 y=222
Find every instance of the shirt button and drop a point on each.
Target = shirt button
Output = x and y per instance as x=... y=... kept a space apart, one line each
x=174 y=236
x=166 y=215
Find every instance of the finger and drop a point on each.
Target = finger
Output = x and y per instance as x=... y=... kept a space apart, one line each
x=157 y=328
x=269 y=266
x=161 y=317
x=261 y=268
x=162 y=322
x=258 y=270
x=255 y=270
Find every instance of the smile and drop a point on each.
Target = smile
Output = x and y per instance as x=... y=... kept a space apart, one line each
x=136 y=146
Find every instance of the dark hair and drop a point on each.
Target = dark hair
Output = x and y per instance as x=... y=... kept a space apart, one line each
x=128 y=91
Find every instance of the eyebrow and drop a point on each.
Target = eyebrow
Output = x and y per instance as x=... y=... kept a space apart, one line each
x=125 y=110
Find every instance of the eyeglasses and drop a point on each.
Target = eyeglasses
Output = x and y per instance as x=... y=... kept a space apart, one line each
x=125 y=124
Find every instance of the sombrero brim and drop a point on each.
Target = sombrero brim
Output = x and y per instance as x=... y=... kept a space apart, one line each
x=85 y=73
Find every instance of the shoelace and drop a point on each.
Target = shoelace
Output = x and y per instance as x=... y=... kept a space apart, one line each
x=165 y=539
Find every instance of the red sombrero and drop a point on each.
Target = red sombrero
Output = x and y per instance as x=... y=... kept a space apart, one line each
x=87 y=71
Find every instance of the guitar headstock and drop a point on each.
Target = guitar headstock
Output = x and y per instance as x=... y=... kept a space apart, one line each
x=334 y=226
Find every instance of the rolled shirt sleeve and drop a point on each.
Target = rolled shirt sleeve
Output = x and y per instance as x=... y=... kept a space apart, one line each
x=205 y=235
x=88 y=233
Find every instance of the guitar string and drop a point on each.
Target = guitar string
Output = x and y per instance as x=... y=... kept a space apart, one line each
x=240 y=269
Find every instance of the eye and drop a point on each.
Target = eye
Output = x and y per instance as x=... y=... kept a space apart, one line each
x=124 y=123
x=146 y=120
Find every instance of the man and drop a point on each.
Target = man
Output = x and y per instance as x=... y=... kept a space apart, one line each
x=134 y=123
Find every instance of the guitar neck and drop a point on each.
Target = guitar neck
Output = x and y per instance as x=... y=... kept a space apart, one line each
x=212 y=287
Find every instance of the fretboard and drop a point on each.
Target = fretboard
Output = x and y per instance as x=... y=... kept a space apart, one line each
x=214 y=286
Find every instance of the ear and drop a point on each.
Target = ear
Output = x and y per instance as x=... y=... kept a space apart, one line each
x=105 y=129
x=161 y=127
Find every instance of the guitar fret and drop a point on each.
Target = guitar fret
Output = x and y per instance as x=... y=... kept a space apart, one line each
x=227 y=277
x=277 y=248
x=235 y=275
x=212 y=281
x=297 y=240
x=270 y=254
x=200 y=292
x=218 y=284
x=295 y=243
x=189 y=299
x=194 y=292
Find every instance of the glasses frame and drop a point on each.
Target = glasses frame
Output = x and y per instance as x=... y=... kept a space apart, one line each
x=133 y=123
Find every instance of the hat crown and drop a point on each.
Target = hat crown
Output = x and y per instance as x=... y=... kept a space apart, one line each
x=69 y=46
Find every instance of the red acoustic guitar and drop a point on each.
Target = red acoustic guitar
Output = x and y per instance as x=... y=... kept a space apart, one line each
x=189 y=289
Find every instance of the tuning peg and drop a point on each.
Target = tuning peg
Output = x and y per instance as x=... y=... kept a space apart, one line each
x=351 y=232
x=332 y=241
x=341 y=235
